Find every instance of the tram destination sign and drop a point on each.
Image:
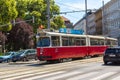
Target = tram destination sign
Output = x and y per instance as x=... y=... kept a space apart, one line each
x=70 y=31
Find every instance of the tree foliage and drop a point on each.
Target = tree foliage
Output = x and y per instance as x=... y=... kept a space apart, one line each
x=57 y=23
x=23 y=34
x=23 y=10
x=8 y=12
x=38 y=8
x=2 y=39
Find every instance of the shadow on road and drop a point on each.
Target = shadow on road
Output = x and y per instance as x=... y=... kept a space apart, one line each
x=111 y=64
x=30 y=63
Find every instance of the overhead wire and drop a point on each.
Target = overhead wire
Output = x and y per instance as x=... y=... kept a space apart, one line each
x=67 y=5
x=78 y=10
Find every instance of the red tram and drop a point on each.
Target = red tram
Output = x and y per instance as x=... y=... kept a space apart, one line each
x=52 y=46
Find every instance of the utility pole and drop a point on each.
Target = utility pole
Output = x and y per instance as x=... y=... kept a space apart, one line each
x=48 y=14
x=86 y=17
x=103 y=18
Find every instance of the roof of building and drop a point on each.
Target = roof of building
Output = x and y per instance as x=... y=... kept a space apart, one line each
x=65 y=19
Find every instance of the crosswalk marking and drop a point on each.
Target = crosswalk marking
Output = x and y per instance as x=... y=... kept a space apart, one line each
x=62 y=75
x=103 y=76
x=14 y=71
x=27 y=75
x=19 y=73
x=40 y=76
x=82 y=76
x=117 y=78
x=62 y=71
x=54 y=74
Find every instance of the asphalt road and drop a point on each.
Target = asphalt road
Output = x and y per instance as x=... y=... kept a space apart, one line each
x=85 y=69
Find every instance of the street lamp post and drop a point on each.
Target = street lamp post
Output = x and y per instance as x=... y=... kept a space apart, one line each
x=86 y=17
x=86 y=26
x=102 y=17
x=48 y=14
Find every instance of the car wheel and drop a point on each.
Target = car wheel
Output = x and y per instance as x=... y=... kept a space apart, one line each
x=8 y=60
x=36 y=58
x=105 y=62
x=13 y=60
x=24 y=59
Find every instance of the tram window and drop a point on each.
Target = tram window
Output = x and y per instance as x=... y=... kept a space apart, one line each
x=43 y=42
x=111 y=43
x=77 y=41
x=100 y=42
x=92 y=42
x=65 y=41
x=55 y=40
x=114 y=43
x=82 y=42
x=95 y=41
x=108 y=42
x=71 y=41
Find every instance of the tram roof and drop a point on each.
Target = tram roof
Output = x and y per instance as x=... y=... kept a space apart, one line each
x=79 y=35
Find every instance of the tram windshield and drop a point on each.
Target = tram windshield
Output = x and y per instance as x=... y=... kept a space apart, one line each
x=43 y=42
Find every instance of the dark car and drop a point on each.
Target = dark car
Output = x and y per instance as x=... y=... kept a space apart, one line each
x=112 y=55
x=7 y=57
x=25 y=55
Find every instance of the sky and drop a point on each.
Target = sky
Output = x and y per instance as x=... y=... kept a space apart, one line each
x=77 y=5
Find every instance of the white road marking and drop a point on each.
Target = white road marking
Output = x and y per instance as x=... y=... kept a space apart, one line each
x=82 y=76
x=117 y=78
x=45 y=75
x=103 y=76
x=62 y=75
x=26 y=75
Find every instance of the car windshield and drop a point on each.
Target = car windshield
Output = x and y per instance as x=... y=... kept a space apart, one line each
x=113 y=50
x=21 y=51
x=43 y=42
x=7 y=53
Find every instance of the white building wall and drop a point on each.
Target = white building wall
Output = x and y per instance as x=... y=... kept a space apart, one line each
x=91 y=24
x=111 y=18
x=81 y=25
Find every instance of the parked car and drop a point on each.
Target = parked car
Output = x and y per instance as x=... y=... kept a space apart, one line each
x=112 y=55
x=7 y=57
x=25 y=55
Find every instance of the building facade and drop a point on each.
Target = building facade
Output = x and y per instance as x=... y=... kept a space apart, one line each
x=91 y=25
x=105 y=21
x=98 y=22
x=111 y=19
x=67 y=22
x=80 y=25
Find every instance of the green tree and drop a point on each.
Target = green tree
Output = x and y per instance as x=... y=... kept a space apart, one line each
x=8 y=12
x=21 y=8
x=21 y=36
x=57 y=22
x=38 y=9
